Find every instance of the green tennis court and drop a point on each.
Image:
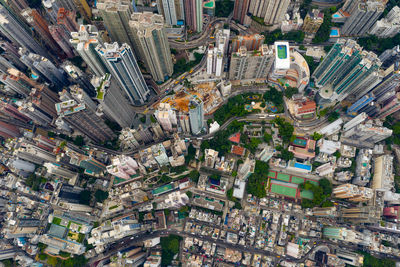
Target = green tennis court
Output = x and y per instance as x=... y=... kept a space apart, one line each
x=271 y=174
x=284 y=190
x=297 y=180
x=283 y=177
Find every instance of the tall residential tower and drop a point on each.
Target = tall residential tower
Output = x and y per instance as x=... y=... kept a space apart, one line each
x=152 y=44
x=123 y=66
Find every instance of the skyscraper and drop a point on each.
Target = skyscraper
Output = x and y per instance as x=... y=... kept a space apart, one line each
x=240 y=10
x=196 y=115
x=388 y=26
x=45 y=68
x=251 y=42
x=40 y=25
x=14 y=31
x=123 y=66
x=363 y=15
x=62 y=38
x=85 y=42
x=152 y=44
x=251 y=65
x=194 y=14
x=272 y=11
x=172 y=10
x=77 y=76
x=215 y=58
x=347 y=69
x=166 y=116
x=67 y=18
x=113 y=102
x=116 y=15
x=18 y=82
x=85 y=120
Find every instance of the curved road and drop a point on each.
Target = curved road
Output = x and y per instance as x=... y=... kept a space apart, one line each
x=202 y=39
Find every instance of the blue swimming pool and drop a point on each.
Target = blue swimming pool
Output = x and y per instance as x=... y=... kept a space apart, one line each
x=334 y=32
x=336 y=16
x=302 y=166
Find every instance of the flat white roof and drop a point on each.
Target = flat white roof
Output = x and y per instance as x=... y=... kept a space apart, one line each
x=282 y=55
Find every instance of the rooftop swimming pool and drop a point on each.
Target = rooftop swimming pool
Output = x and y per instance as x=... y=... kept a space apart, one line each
x=302 y=166
x=334 y=33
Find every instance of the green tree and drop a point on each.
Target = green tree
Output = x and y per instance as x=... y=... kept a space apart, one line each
x=333 y=116
x=324 y=30
x=223 y=8
x=79 y=141
x=191 y=154
x=189 y=194
x=169 y=247
x=194 y=176
x=290 y=91
x=316 y=136
x=267 y=137
x=285 y=129
x=100 y=195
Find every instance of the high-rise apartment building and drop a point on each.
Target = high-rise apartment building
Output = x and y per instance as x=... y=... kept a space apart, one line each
x=123 y=67
x=347 y=69
x=15 y=31
x=363 y=15
x=85 y=42
x=389 y=106
x=62 y=38
x=166 y=117
x=240 y=10
x=313 y=21
x=369 y=133
x=272 y=11
x=152 y=44
x=67 y=18
x=7 y=109
x=196 y=115
x=83 y=119
x=383 y=173
x=8 y=130
x=389 y=26
x=113 y=101
x=172 y=10
x=215 y=59
x=364 y=214
x=251 y=42
x=116 y=15
x=194 y=14
x=251 y=65
x=184 y=123
x=123 y=167
x=353 y=192
x=58 y=170
x=77 y=76
x=40 y=25
x=18 y=82
x=51 y=7
x=381 y=100
x=45 y=68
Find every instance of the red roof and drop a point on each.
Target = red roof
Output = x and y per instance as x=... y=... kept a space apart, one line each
x=238 y=150
x=235 y=138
